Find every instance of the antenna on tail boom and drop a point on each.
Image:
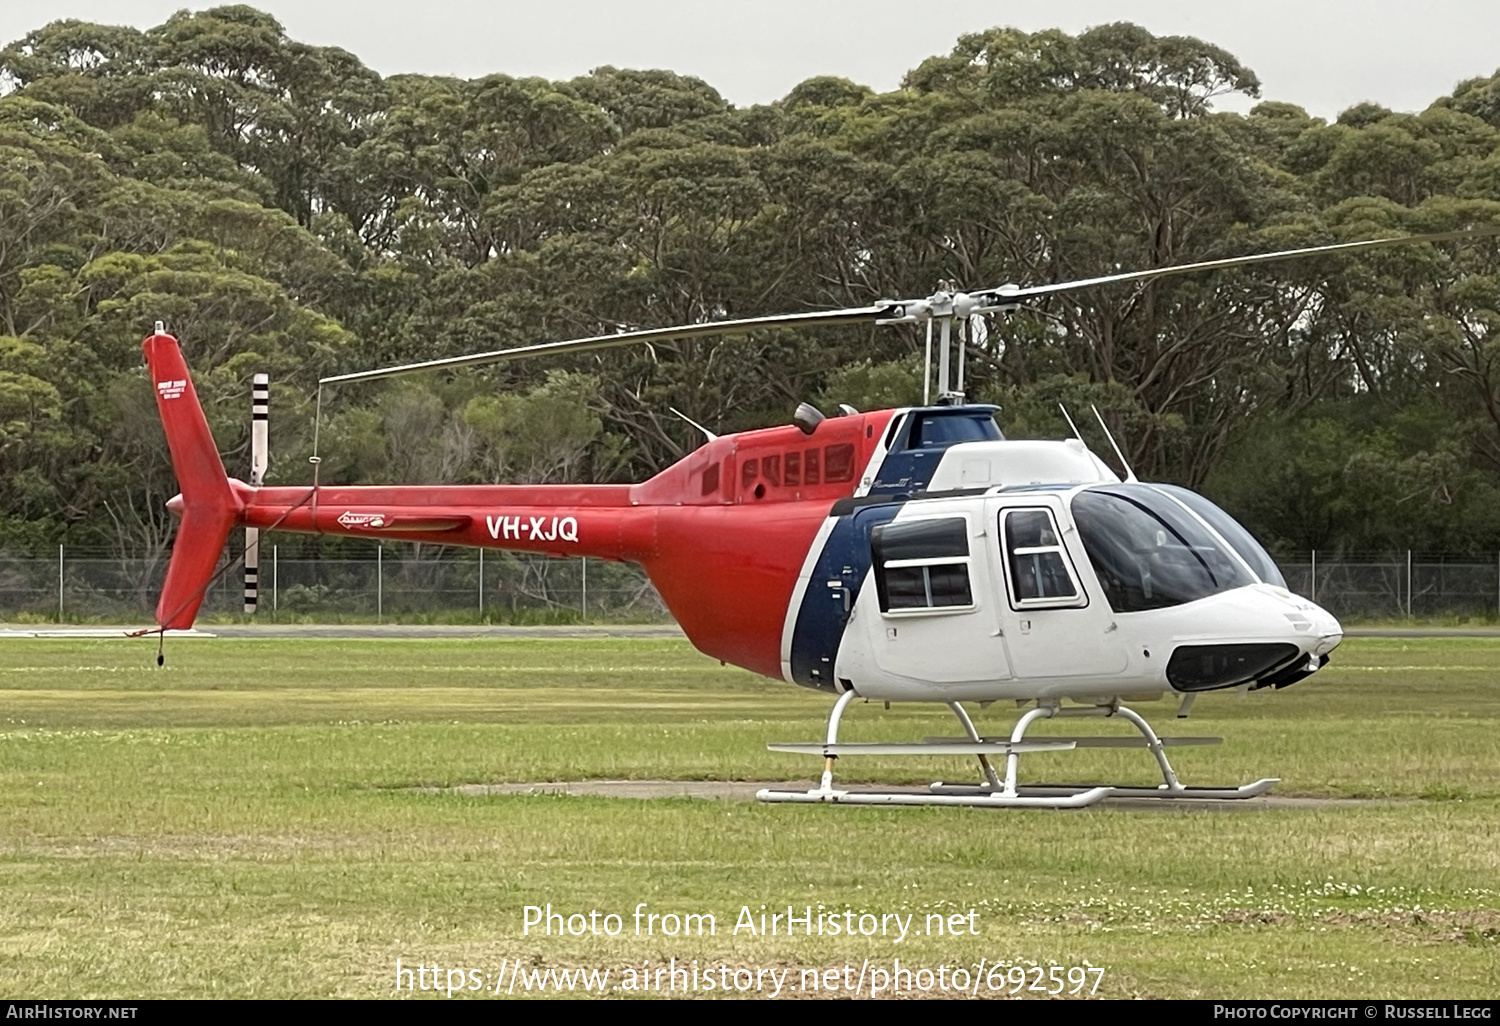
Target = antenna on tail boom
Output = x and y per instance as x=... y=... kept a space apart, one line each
x=711 y=436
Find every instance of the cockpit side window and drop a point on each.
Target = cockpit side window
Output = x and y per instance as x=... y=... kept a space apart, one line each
x=1037 y=567
x=922 y=566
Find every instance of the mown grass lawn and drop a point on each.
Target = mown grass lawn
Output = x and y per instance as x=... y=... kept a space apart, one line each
x=244 y=822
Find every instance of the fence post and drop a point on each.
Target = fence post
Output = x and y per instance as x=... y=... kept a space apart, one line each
x=1408 y=584
x=1314 y=595
x=59 y=582
x=275 y=568
x=481 y=584
x=379 y=583
x=584 y=568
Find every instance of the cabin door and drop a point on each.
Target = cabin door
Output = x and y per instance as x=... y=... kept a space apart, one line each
x=1054 y=627
x=932 y=617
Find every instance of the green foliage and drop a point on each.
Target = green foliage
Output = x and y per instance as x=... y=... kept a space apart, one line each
x=1359 y=478
x=286 y=209
x=546 y=435
x=875 y=386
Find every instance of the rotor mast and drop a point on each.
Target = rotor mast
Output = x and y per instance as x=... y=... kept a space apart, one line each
x=949 y=309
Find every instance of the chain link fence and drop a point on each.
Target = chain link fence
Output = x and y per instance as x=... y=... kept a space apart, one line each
x=1404 y=586
x=395 y=585
x=468 y=586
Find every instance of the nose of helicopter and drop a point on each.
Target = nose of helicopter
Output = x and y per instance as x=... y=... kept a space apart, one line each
x=1317 y=630
x=1260 y=636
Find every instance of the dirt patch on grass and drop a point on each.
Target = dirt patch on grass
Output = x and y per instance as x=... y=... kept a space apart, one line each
x=1476 y=927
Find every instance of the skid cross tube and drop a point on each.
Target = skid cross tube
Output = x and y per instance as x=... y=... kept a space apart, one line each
x=1049 y=711
x=984 y=760
x=826 y=787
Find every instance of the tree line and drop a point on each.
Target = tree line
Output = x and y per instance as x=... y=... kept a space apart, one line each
x=283 y=208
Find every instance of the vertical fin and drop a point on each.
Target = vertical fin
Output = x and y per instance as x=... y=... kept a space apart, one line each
x=209 y=507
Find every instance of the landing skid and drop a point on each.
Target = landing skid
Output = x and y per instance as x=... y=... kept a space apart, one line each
x=992 y=791
x=1254 y=790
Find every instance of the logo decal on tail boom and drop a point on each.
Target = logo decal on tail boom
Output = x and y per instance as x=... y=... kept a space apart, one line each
x=353 y=520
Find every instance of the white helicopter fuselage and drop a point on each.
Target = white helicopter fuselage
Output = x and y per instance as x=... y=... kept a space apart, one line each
x=1027 y=570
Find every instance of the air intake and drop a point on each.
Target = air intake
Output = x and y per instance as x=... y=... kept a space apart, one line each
x=808 y=417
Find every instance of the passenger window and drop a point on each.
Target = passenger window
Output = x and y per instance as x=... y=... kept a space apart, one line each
x=1035 y=561
x=838 y=463
x=771 y=469
x=793 y=469
x=711 y=479
x=922 y=565
x=810 y=467
x=748 y=474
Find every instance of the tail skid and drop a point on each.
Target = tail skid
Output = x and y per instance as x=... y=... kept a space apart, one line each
x=210 y=508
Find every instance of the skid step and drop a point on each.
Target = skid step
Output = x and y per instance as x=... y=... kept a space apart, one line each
x=1116 y=741
x=936 y=746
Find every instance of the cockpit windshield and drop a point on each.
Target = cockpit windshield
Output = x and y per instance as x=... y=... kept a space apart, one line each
x=1149 y=552
x=1230 y=530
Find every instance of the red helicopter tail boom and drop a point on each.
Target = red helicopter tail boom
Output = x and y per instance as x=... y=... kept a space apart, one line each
x=210 y=508
x=724 y=534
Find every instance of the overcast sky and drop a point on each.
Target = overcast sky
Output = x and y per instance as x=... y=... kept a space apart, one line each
x=1322 y=54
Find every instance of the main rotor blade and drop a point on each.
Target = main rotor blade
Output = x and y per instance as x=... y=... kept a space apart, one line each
x=852 y=315
x=887 y=312
x=1021 y=294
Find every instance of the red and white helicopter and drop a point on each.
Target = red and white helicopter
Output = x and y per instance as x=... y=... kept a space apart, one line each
x=907 y=555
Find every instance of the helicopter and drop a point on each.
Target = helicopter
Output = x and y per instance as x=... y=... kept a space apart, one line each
x=903 y=555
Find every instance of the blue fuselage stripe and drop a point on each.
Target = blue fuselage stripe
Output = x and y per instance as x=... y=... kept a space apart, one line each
x=841 y=568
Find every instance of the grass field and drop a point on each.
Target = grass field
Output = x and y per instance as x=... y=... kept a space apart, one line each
x=247 y=822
